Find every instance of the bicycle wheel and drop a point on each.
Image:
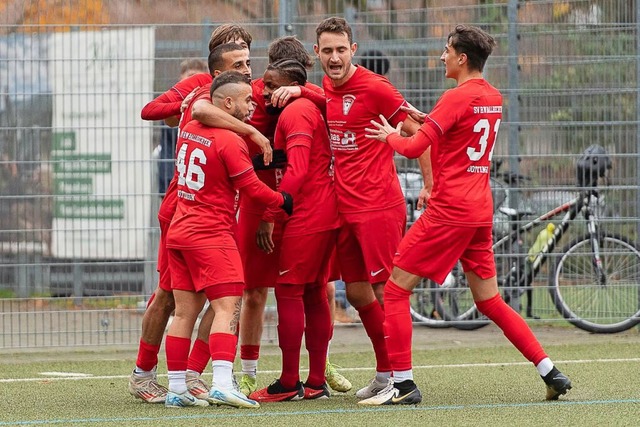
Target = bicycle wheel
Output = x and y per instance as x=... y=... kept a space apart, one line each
x=455 y=305
x=605 y=304
x=423 y=305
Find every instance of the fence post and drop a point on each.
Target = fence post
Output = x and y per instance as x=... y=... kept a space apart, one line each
x=78 y=282
x=22 y=274
x=513 y=97
x=637 y=124
x=285 y=18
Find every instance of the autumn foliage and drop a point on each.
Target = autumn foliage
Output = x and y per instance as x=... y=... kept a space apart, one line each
x=63 y=15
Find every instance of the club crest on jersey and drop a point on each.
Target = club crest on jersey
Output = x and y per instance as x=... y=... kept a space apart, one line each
x=347 y=103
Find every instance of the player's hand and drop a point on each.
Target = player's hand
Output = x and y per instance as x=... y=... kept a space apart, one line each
x=187 y=99
x=287 y=206
x=414 y=113
x=284 y=94
x=264 y=236
x=279 y=161
x=265 y=146
x=172 y=121
x=382 y=130
x=424 y=195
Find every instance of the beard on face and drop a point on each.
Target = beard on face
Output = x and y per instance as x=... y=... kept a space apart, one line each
x=239 y=115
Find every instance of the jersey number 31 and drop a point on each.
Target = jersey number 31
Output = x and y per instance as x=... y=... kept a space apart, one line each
x=483 y=127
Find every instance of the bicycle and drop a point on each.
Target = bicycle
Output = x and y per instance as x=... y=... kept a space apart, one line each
x=595 y=280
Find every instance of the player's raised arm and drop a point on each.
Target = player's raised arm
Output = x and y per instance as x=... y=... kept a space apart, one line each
x=168 y=104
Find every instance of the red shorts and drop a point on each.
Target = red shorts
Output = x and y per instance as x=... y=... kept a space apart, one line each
x=261 y=269
x=431 y=250
x=334 y=266
x=306 y=259
x=164 y=275
x=196 y=269
x=367 y=242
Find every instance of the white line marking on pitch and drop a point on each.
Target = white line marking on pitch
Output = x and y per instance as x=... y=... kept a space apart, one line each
x=72 y=376
x=66 y=374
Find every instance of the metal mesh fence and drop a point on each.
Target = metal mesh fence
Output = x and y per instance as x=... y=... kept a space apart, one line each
x=79 y=185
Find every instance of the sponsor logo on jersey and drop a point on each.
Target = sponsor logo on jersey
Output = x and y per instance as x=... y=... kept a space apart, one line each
x=347 y=103
x=478 y=169
x=488 y=109
x=186 y=196
x=343 y=141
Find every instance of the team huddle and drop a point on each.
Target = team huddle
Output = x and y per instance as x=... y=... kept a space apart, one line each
x=282 y=184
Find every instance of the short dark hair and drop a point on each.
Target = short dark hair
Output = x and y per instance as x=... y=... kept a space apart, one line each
x=334 y=25
x=375 y=61
x=195 y=64
x=226 y=78
x=290 y=68
x=226 y=33
x=473 y=42
x=289 y=47
x=215 y=56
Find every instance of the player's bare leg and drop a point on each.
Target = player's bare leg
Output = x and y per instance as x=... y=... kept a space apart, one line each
x=361 y=296
x=335 y=379
x=378 y=291
x=156 y=317
x=254 y=301
x=143 y=382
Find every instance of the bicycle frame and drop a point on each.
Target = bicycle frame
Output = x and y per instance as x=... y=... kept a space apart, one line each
x=520 y=276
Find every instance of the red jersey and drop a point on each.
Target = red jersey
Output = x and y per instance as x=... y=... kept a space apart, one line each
x=211 y=164
x=466 y=119
x=302 y=132
x=365 y=173
x=168 y=104
x=168 y=204
x=265 y=123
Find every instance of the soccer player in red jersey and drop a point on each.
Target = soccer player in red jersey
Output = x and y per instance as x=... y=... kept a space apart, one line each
x=213 y=165
x=308 y=240
x=143 y=382
x=260 y=268
x=461 y=130
x=370 y=200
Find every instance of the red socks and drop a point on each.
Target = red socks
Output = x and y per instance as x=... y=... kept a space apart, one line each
x=372 y=318
x=513 y=326
x=290 y=330
x=249 y=352
x=177 y=351
x=223 y=346
x=147 y=356
x=398 y=325
x=317 y=333
x=199 y=356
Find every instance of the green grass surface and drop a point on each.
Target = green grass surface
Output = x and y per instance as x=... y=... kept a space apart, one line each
x=464 y=386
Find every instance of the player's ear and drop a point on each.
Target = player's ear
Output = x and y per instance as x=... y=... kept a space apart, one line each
x=354 y=48
x=228 y=102
x=316 y=50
